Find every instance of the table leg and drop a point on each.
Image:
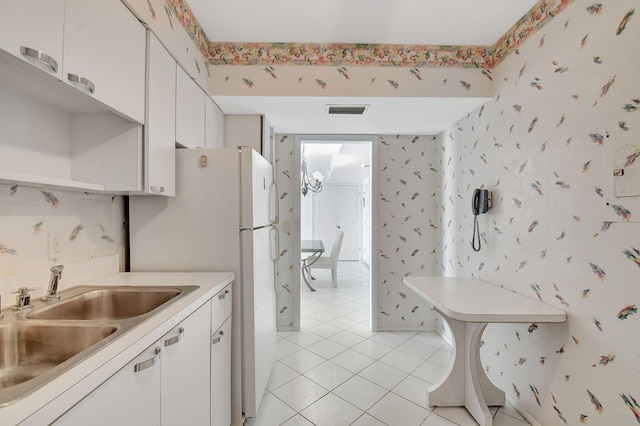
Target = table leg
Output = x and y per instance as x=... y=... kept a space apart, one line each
x=466 y=383
x=304 y=277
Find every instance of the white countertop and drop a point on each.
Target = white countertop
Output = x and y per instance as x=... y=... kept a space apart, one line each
x=54 y=398
x=474 y=300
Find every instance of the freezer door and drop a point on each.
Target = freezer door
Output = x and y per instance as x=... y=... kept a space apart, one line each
x=259 y=315
x=258 y=192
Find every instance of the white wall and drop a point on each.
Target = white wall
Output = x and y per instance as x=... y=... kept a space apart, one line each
x=557 y=232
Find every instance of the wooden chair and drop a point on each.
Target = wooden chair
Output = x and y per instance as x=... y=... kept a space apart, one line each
x=331 y=261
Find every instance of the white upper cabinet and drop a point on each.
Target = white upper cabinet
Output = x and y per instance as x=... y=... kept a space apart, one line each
x=96 y=46
x=190 y=112
x=160 y=122
x=104 y=54
x=214 y=125
x=32 y=31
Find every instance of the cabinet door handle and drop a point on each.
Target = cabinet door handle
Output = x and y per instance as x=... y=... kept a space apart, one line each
x=175 y=339
x=157 y=189
x=215 y=340
x=40 y=56
x=148 y=363
x=224 y=294
x=82 y=81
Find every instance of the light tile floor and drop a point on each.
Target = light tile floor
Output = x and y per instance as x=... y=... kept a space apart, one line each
x=336 y=371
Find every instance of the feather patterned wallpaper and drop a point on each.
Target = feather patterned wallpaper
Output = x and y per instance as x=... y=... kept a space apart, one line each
x=88 y=226
x=545 y=145
x=408 y=230
x=565 y=102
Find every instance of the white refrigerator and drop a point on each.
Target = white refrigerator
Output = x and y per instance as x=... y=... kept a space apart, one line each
x=221 y=219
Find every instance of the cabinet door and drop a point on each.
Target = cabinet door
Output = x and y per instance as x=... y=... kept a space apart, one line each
x=160 y=123
x=104 y=54
x=129 y=397
x=221 y=375
x=214 y=125
x=32 y=30
x=186 y=371
x=190 y=112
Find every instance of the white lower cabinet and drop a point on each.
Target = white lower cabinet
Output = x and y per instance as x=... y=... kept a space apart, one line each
x=185 y=392
x=183 y=379
x=221 y=358
x=129 y=397
x=221 y=375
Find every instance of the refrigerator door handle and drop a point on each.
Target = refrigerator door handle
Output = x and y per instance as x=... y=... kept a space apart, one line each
x=275 y=243
x=274 y=209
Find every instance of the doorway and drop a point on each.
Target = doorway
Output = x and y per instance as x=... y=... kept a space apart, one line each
x=344 y=164
x=339 y=207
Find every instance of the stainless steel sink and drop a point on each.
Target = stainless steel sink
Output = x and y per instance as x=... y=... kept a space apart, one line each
x=28 y=349
x=43 y=343
x=108 y=303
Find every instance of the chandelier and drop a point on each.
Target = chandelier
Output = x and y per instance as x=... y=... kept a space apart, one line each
x=311 y=182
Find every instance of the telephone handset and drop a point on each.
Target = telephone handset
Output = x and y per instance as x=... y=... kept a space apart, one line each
x=480 y=204
x=481 y=201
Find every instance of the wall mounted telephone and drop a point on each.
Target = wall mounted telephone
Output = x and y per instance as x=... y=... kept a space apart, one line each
x=481 y=201
x=480 y=204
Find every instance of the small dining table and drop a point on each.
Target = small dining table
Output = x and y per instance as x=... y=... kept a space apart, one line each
x=468 y=305
x=315 y=248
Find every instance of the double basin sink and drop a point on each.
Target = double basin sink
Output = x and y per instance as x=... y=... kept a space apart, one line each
x=39 y=344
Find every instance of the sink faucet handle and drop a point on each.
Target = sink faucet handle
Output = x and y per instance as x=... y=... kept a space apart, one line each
x=23 y=290
x=23 y=299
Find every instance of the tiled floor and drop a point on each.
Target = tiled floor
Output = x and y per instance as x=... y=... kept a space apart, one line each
x=336 y=372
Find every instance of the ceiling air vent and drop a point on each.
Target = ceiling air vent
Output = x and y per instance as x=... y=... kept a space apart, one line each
x=346 y=109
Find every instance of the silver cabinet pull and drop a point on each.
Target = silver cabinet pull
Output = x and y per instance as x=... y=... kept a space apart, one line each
x=148 y=363
x=157 y=189
x=215 y=340
x=224 y=294
x=175 y=339
x=82 y=81
x=40 y=56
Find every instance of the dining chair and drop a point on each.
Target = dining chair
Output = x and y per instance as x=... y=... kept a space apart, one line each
x=331 y=261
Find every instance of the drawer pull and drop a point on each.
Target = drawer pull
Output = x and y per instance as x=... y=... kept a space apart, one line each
x=218 y=339
x=157 y=189
x=82 y=81
x=148 y=363
x=175 y=339
x=40 y=56
x=224 y=294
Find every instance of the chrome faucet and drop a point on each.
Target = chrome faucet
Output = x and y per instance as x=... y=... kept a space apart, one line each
x=23 y=299
x=54 y=280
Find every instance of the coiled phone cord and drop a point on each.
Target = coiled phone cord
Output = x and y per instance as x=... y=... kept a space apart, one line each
x=476 y=235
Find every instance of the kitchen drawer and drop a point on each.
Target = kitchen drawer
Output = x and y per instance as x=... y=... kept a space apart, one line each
x=220 y=307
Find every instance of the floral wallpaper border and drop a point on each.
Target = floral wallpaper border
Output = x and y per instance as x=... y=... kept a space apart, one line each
x=334 y=54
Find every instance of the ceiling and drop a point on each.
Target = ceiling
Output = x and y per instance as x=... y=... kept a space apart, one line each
x=384 y=116
x=425 y=22
x=446 y=22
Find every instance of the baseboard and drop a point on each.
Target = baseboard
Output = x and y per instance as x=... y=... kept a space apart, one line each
x=446 y=337
x=524 y=413
x=408 y=329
